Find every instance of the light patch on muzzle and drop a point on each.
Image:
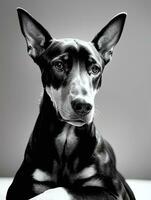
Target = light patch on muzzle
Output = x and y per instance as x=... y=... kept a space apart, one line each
x=61 y=103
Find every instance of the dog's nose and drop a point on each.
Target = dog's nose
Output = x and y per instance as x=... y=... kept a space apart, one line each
x=80 y=107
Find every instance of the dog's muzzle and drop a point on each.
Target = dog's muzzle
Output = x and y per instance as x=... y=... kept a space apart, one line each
x=81 y=110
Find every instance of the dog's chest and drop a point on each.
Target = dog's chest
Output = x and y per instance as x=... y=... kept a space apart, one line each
x=66 y=141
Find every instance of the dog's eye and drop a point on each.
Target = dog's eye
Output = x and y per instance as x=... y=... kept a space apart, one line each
x=94 y=69
x=59 y=66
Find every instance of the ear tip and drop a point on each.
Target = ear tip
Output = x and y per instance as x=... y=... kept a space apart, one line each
x=122 y=15
x=22 y=14
x=21 y=11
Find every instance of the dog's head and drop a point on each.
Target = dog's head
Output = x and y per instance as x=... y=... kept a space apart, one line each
x=71 y=69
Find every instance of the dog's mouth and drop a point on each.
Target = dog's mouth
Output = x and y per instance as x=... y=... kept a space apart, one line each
x=74 y=121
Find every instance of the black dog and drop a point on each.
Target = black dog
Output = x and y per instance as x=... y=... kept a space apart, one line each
x=66 y=158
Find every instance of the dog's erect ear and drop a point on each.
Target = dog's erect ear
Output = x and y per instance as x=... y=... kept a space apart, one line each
x=108 y=37
x=36 y=36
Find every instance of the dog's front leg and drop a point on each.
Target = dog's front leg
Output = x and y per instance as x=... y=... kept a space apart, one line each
x=54 y=194
x=60 y=193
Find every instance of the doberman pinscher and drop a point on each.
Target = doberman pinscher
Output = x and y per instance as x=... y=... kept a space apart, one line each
x=66 y=157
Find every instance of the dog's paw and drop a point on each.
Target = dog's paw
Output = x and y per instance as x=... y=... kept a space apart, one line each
x=54 y=194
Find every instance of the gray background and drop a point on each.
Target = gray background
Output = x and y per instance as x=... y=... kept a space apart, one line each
x=123 y=113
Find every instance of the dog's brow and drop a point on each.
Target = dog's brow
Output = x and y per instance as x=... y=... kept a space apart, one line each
x=64 y=56
x=91 y=59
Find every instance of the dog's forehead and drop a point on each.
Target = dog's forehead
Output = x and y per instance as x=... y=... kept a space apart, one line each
x=73 y=47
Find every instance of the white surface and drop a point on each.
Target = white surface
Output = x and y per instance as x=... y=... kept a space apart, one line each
x=4 y=184
x=141 y=188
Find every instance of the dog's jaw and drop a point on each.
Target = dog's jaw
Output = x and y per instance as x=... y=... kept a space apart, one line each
x=76 y=123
